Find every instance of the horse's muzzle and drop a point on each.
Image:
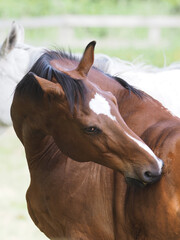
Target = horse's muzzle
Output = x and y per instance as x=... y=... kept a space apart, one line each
x=135 y=182
x=149 y=179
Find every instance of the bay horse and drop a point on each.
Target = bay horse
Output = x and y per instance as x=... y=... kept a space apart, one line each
x=79 y=149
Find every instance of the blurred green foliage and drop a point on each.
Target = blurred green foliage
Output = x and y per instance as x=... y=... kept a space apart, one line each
x=164 y=53
x=20 y=8
x=49 y=36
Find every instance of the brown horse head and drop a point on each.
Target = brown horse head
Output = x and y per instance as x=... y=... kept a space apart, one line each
x=84 y=121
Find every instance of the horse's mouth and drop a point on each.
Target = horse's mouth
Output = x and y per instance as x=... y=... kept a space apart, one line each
x=135 y=182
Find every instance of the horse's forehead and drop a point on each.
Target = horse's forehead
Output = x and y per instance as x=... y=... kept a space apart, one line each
x=100 y=105
x=64 y=65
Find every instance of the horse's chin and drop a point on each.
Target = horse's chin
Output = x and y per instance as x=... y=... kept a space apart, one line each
x=135 y=182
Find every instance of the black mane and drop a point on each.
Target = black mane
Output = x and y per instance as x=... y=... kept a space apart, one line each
x=74 y=89
x=129 y=87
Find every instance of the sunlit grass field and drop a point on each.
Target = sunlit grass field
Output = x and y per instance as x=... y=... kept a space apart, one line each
x=15 y=223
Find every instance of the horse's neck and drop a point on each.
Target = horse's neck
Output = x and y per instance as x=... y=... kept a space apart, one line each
x=42 y=154
x=41 y=151
x=29 y=127
x=140 y=113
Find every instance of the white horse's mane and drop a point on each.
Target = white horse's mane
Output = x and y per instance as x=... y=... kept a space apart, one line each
x=114 y=64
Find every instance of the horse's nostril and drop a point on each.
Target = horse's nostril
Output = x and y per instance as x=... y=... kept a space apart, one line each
x=148 y=174
x=151 y=177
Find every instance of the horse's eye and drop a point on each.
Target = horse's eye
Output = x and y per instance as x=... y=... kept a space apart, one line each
x=92 y=130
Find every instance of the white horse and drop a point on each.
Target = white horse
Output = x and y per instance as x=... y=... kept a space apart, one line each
x=16 y=59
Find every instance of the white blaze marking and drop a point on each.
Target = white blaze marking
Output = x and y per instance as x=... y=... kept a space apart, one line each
x=147 y=149
x=100 y=105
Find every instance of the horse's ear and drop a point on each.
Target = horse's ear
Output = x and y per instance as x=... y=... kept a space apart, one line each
x=20 y=33
x=16 y=35
x=48 y=87
x=87 y=59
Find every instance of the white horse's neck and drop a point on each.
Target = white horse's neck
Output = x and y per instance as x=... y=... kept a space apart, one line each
x=21 y=58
